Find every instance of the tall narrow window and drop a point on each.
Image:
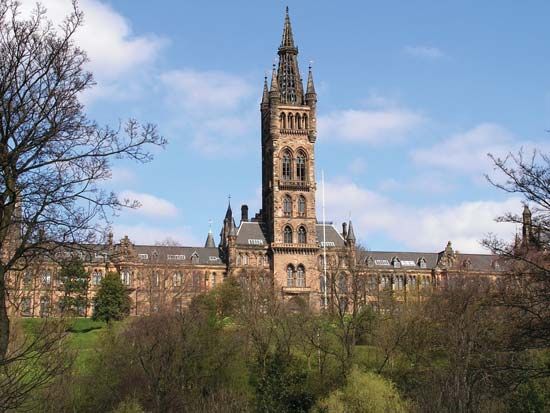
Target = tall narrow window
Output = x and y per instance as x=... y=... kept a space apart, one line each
x=177 y=279
x=290 y=276
x=286 y=166
x=287 y=206
x=287 y=235
x=298 y=121
x=290 y=121
x=301 y=167
x=302 y=237
x=283 y=120
x=301 y=206
x=301 y=276
x=304 y=119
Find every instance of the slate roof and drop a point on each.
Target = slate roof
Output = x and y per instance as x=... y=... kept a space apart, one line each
x=157 y=253
x=251 y=233
x=332 y=236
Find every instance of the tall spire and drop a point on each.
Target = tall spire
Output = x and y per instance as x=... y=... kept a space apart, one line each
x=274 y=81
x=351 y=233
x=310 y=86
x=288 y=74
x=265 y=95
x=288 y=39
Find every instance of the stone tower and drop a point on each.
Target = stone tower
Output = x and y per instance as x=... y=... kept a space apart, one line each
x=288 y=169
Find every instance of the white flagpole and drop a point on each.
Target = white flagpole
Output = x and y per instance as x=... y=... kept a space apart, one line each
x=324 y=237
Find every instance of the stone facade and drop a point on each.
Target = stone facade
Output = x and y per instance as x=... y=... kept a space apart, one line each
x=284 y=241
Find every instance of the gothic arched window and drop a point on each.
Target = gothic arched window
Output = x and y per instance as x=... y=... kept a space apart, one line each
x=287 y=166
x=304 y=120
x=287 y=235
x=287 y=206
x=290 y=275
x=301 y=276
x=283 y=120
x=298 y=121
x=301 y=166
x=302 y=236
x=301 y=206
x=290 y=121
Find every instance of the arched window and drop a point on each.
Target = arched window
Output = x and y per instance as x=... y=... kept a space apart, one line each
x=125 y=277
x=301 y=206
x=342 y=283
x=301 y=276
x=239 y=260
x=194 y=258
x=283 y=120
x=302 y=236
x=298 y=121
x=245 y=259
x=304 y=120
x=290 y=121
x=396 y=262
x=301 y=166
x=290 y=276
x=287 y=206
x=399 y=283
x=96 y=277
x=286 y=166
x=177 y=279
x=422 y=263
x=287 y=235
x=44 y=306
x=322 y=284
x=411 y=282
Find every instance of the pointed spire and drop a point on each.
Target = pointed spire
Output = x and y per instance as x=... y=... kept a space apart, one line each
x=288 y=39
x=310 y=86
x=351 y=233
x=274 y=80
x=288 y=73
x=210 y=243
x=265 y=94
x=233 y=230
x=229 y=212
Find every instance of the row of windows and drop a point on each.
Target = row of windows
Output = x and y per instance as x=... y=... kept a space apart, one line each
x=245 y=259
x=288 y=235
x=300 y=168
x=295 y=277
x=178 y=279
x=293 y=121
x=287 y=206
x=396 y=262
x=395 y=282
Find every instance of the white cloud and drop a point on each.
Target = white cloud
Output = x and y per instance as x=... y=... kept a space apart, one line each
x=419 y=228
x=427 y=52
x=369 y=126
x=105 y=35
x=146 y=234
x=205 y=91
x=150 y=205
x=120 y=175
x=466 y=152
x=357 y=166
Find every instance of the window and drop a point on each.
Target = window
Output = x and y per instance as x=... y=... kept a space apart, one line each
x=266 y=261
x=27 y=278
x=47 y=277
x=301 y=167
x=213 y=280
x=44 y=307
x=298 y=121
x=287 y=166
x=301 y=206
x=304 y=119
x=253 y=241
x=328 y=244
x=175 y=257
x=381 y=262
x=143 y=256
x=282 y=118
x=177 y=279
x=408 y=263
x=399 y=285
x=342 y=283
x=422 y=263
x=385 y=281
x=301 y=276
x=96 y=277
x=426 y=282
x=302 y=236
x=395 y=262
x=245 y=259
x=196 y=281
x=411 y=281
x=290 y=276
x=26 y=306
x=287 y=235
x=239 y=260
x=194 y=258
x=287 y=206
x=370 y=262
x=290 y=121
x=322 y=284
x=125 y=277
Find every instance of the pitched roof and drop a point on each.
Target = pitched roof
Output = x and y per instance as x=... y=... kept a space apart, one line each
x=178 y=255
x=332 y=237
x=251 y=233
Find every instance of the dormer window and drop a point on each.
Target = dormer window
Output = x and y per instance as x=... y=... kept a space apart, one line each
x=370 y=262
x=422 y=263
x=395 y=262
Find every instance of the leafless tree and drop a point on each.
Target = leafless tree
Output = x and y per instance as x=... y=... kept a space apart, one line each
x=52 y=157
x=526 y=290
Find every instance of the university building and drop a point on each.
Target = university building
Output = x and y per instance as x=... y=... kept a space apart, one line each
x=283 y=243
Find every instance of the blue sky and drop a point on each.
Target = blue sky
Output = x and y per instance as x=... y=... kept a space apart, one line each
x=411 y=99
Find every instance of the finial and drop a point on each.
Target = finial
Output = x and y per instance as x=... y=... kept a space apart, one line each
x=210 y=226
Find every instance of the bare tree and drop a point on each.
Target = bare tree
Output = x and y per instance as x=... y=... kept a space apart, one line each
x=526 y=290
x=52 y=157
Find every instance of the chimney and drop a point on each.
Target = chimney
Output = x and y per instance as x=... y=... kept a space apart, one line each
x=344 y=230
x=244 y=213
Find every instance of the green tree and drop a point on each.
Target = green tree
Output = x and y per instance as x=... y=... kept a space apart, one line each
x=364 y=393
x=74 y=286
x=112 y=301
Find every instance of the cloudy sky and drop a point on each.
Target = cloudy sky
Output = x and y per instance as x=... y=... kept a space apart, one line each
x=412 y=97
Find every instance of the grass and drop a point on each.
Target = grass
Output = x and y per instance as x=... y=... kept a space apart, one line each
x=84 y=334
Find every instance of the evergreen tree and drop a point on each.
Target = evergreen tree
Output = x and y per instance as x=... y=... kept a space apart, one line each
x=74 y=286
x=112 y=301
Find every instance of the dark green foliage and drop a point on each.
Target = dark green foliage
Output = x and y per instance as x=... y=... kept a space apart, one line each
x=74 y=282
x=281 y=387
x=112 y=301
